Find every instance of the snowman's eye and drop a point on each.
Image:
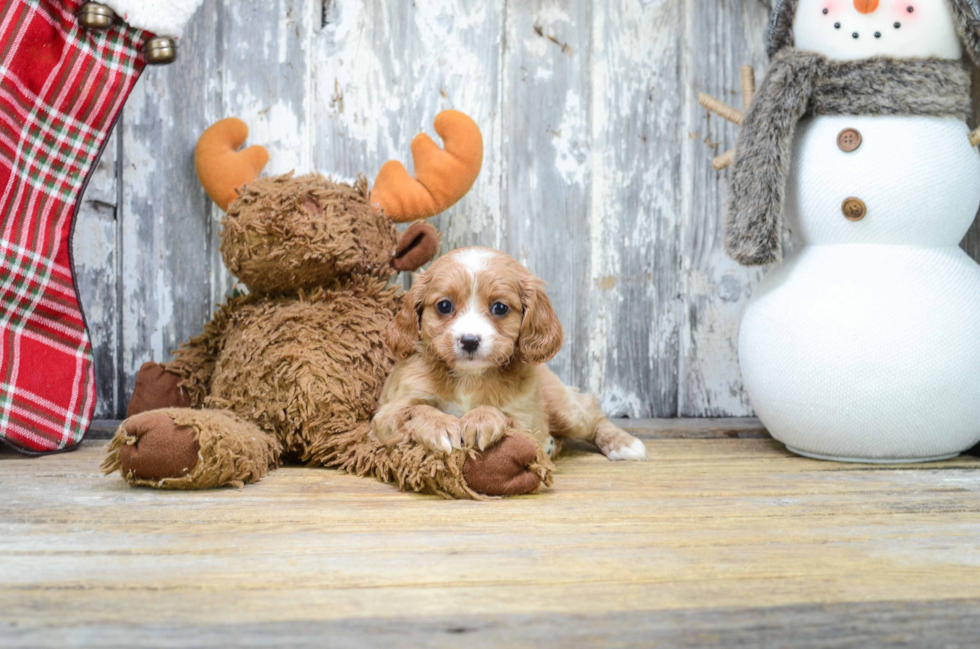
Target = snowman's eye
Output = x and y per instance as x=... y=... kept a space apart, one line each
x=826 y=11
x=911 y=9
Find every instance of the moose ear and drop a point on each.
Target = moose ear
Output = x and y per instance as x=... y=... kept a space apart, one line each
x=405 y=331
x=541 y=335
x=442 y=176
x=416 y=247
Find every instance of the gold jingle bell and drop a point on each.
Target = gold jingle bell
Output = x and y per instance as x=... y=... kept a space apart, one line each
x=160 y=50
x=96 y=17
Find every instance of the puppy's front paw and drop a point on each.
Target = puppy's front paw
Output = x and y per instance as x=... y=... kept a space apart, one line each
x=434 y=429
x=617 y=444
x=483 y=426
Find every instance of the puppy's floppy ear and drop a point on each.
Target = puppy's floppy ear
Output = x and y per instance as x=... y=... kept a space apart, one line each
x=404 y=331
x=541 y=335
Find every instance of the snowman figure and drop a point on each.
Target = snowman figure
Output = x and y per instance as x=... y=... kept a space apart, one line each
x=864 y=343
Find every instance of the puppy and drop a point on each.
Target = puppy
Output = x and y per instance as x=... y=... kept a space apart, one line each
x=473 y=337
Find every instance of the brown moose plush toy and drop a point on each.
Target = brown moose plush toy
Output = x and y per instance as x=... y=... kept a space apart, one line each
x=292 y=371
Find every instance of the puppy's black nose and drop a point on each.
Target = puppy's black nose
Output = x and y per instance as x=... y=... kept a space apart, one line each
x=469 y=343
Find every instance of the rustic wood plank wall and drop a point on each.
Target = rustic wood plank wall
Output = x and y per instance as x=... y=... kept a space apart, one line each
x=597 y=172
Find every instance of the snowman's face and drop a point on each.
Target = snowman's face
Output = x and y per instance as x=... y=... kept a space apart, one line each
x=847 y=30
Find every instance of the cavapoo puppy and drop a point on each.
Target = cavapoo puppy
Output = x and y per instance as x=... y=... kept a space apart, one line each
x=473 y=336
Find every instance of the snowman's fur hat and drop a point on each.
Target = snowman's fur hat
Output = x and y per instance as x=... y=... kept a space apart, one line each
x=966 y=13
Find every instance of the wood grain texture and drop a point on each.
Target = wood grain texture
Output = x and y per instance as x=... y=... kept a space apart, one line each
x=944 y=624
x=547 y=134
x=635 y=208
x=597 y=170
x=673 y=428
x=709 y=536
x=384 y=70
x=715 y=289
x=165 y=269
x=262 y=74
x=95 y=248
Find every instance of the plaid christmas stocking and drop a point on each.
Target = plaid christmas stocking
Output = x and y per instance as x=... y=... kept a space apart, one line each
x=61 y=89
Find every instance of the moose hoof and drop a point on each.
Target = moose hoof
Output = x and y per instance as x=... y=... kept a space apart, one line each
x=157 y=448
x=504 y=469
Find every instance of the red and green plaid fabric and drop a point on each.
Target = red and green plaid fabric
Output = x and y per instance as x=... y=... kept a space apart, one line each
x=61 y=89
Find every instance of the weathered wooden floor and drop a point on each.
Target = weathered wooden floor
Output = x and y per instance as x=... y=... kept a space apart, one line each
x=714 y=542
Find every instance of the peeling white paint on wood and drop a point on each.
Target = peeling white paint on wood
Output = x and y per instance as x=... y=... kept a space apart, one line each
x=263 y=69
x=94 y=249
x=597 y=170
x=635 y=205
x=384 y=70
x=547 y=167
x=714 y=288
x=165 y=247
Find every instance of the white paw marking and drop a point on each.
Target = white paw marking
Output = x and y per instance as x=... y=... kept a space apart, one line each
x=446 y=444
x=635 y=452
x=549 y=446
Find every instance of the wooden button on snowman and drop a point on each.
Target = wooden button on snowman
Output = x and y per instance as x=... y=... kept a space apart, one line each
x=849 y=140
x=864 y=343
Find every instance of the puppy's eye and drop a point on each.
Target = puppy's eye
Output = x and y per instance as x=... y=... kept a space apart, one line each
x=445 y=307
x=499 y=309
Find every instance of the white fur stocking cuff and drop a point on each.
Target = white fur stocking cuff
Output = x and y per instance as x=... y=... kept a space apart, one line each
x=162 y=17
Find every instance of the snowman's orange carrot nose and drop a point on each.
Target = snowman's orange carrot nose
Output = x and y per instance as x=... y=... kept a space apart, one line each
x=866 y=6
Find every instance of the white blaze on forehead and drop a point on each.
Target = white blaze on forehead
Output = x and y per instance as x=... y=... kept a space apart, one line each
x=473 y=320
x=474 y=259
x=473 y=317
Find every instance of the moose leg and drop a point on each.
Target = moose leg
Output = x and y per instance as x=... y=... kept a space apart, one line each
x=156 y=387
x=180 y=448
x=513 y=466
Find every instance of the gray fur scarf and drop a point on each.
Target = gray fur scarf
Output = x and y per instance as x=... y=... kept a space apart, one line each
x=798 y=84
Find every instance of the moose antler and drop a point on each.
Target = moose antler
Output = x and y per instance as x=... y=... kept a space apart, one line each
x=221 y=167
x=729 y=113
x=442 y=176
